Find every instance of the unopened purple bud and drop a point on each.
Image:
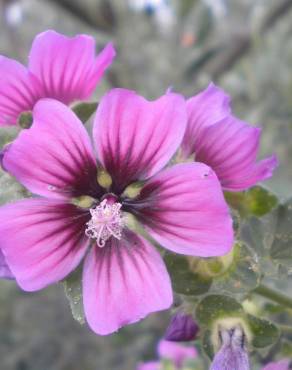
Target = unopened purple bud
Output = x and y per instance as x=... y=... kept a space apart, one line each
x=233 y=352
x=182 y=328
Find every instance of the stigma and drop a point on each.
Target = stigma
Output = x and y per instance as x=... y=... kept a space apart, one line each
x=106 y=221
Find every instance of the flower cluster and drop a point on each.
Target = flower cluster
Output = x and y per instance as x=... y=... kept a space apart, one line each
x=178 y=356
x=232 y=354
x=77 y=218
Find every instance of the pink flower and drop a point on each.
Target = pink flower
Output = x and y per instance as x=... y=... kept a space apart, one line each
x=226 y=144
x=181 y=207
x=176 y=353
x=280 y=365
x=59 y=67
x=151 y=365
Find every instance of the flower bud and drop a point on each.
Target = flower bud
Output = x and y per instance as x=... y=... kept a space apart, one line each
x=211 y=267
x=182 y=327
x=251 y=308
x=233 y=349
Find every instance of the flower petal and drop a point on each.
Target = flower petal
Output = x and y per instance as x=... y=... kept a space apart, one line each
x=101 y=63
x=67 y=67
x=230 y=148
x=183 y=208
x=204 y=109
x=19 y=90
x=153 y=365
x=123 y=282
x=233 y=352
x=280 y=365
x=228 y=358
x=175 y=352
x=42 y=240
x=4 y=269
x=54 y=158
x=135 y=138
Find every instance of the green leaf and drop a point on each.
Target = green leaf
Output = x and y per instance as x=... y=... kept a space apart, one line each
x=167 y=364
x=216 y=306
x=207 y=344
x=271 y=238
x=256 y=201
x=85 y=110
x=185 y=281
x=10 y=189
x=281 y=249
x=242 y=276
x=224 y=310
x=286 y=350
x=258 y=235
x=264 y=332
x=73 y=290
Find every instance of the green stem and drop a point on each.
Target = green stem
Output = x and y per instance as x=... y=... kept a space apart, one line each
x=273 y=295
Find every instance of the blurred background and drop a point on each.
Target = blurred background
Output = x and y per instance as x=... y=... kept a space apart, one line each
x=245 y=46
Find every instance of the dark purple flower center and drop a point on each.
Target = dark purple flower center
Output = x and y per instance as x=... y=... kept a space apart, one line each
x=106 y=210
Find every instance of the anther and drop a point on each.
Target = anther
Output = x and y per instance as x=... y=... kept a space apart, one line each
x=106 y=221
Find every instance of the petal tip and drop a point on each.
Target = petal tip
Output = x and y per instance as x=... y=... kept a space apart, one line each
x=214 y=89
x=268 y=166
x=110 y=50
x=114 y=329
